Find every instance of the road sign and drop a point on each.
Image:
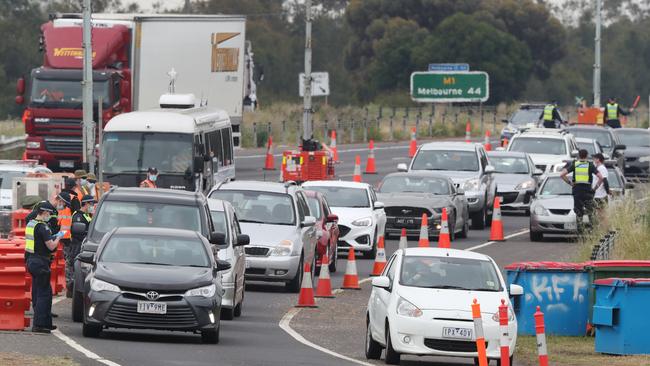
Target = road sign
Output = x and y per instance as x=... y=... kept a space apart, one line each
x=448 y=67
x=442 y=87
x=320 y=84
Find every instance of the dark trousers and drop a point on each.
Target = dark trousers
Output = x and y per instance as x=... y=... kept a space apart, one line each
x=614 y=123
x=39 y=269
x=71 y=249
x=550 y=124
x=583 y=202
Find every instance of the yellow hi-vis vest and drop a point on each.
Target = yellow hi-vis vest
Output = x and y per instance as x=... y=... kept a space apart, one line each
x=581 y=172
x=29 y=235
x=548 y=112
x=612 y=111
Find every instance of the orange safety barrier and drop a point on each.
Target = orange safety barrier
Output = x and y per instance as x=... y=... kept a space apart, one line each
x=12 y=245
x=59 y=263
x=19 y=222
x=13 y=302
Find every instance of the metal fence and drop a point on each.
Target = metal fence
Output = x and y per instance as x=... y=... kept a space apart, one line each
x=603 y=249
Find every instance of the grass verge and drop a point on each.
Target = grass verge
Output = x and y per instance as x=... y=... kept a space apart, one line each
x=19 y=359
x=12 y=128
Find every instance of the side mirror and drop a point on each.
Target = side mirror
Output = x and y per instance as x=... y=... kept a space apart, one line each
x=217 y=238
x=332 y=218
x=242 y=239
x=574 y=153
x=78 y=228
x=401 y=167
x=379 y=205
x=198 y=164
x=620 y=147
x=629 y=185
x=308 y=221
x=222 y=265
x=86 y=257
x=516 y=290
x=381 y=282
x=504 y=120
x=538 y=172
x=489 y=169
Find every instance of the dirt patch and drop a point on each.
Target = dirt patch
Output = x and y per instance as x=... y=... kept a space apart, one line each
x=19 y=359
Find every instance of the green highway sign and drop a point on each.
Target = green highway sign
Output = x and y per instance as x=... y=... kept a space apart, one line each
x=443 y=87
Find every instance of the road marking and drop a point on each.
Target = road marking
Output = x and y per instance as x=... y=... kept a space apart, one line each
x=76 y=346
x=494 y=242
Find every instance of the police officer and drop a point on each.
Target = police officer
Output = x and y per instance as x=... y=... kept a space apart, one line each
x=583 y=194
x=551 y=116
x=152 y=176
x=39 y=246
x=612 y=113
x=53 y=222
x=84 y=216
x=70 y=188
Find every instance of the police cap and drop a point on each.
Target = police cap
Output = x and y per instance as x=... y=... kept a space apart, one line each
x=88 y=199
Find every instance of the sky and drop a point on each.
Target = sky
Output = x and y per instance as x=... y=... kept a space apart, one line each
x=147 y=4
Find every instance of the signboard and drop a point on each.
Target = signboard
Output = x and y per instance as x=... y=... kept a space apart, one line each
x=320 y=84
x=448 y=67
x=443 y=87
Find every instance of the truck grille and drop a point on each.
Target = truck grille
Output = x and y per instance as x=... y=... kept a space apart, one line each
x=450 y=346
x=63 y=145
x=256 y=251
x=403 y=211
x=127 y=315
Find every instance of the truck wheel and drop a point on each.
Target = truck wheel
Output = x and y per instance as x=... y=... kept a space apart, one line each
x=77 y=306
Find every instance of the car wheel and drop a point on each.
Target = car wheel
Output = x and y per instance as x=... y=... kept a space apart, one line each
x=372 y=253
x=373 y=348
x=488 y=212
x=478 y=219
x=77 y=307
x=91 y=330
x=239 y=306
x=452 y=229
x=392 y=357
x=333 y=260
x=536 y=236
x=295 y=284
x=210 y=336
x=227 y=314
x=465 y=231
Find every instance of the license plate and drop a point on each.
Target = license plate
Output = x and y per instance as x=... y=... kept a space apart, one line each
x=66 y=164
x=457 y=333
x=570 y=226
x=403 y=221
x=152 y=307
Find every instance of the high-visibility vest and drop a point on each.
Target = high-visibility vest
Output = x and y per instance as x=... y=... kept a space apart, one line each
x=612 y=111
x=29 y=235
x=65 y=222
x=86 y=216
x=548 y=112
x=81 y=191
x=147 y=184
x=581 y=172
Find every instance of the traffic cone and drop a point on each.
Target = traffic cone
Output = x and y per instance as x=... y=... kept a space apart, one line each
x=487 y=145
x=324 y=286
x=403 y=240
x=356 y=177
x=413 y=147
x=444 y=240
x=540 y=333
x=380 y=258
x=335 y=151
x=505 y=142
x=351 y=278
x=424 y=232
x=468 y=132
x=270 y=163
x=370 y=164
x=306 y=296
x=496 y=232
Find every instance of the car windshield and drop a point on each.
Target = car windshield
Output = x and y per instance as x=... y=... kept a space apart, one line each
x=343 y=196
x=603 y=137
x=135 y=152
x=526 y=116
x=66 y=93
x=162 y=250
x=259 y=207
x=538 y=145
x=634 y=138
x=589 y=146
x=453 y=160
x=414 y=184
x=449 y=273
x=613 y=179
x=112 y=214
x=509 y=165
x=555 y=186
x=314 y=207
x=7 y=179
x=219 y=222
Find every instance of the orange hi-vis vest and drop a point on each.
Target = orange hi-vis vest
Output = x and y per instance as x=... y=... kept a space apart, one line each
x=148 y=184
x=65 y=222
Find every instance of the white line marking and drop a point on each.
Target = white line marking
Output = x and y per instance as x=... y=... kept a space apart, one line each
x=494 y=242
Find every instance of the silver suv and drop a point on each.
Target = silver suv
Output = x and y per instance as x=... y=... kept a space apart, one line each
x=468 y=167
x=549 y=148
x=282 y=234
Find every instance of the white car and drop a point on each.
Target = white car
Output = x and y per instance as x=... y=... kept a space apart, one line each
x=421 y=305
x=225 y=221
x=361 y=217
x=549 y=148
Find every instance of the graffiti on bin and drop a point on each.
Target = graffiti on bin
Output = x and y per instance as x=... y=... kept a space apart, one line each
x=556 y=290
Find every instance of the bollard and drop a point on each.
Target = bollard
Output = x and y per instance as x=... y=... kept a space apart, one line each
x=352 y=132
x=430 y=125
x=365 y=130
x=284 y=132
x=505 y=334
x=478 y=331
x=541 y=338
x=254 y=134
x=391 y=133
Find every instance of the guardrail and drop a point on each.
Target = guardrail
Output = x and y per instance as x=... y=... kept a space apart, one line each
x=604 y=247
x=10 y=143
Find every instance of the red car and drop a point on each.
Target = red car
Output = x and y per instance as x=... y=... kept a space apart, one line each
x=327 y=226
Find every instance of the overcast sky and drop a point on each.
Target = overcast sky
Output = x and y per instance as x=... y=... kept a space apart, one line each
x=147 y=4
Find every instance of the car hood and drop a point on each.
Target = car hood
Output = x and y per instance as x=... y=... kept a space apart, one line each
x=413 y=199
x=458 y=176
x=454 y=300
x=507 y=182
x=146 y=276
x=5 y=197
x=637 y=151
x=547 y=159
x=268 y=235
x=555 y=202
x=348 y=214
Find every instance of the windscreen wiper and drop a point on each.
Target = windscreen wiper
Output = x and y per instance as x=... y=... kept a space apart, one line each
x=447 y=287
x=252 y=221
x=151 y=263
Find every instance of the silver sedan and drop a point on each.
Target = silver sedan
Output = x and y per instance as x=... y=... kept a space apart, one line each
x=551 y=212
x=516 y=178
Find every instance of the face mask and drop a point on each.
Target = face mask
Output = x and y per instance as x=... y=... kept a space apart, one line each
x=47 y=218
x=91 y=209
x=60 y=206
x=83 y=182
x=153 y=177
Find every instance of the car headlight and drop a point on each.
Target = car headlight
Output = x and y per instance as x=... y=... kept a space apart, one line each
x=366 y=221
x=33 y=145
x=511 y=315
x=405 y=308
x=541 y=211
x=283 y=249
x=99 y=286
x=205 y=291
x=644 y=159
x=471 y=185
x=525 y=185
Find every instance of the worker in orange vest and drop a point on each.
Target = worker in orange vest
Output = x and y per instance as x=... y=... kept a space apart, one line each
x=81 y=176
x=152 y=176
x=70 y=188
x=64 y=206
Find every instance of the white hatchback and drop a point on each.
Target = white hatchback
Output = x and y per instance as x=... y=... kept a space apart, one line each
x=421 y=305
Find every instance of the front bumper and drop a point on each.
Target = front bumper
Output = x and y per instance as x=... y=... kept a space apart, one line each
x=412 y=225
x=515 y=200
x=475 y=200
x=360 y=238
x=554 y=224
x=636 y=168
x=272 y=268
x=54 y=160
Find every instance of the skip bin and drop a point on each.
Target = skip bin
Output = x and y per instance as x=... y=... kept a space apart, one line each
x=559 y=289
x=620 y=316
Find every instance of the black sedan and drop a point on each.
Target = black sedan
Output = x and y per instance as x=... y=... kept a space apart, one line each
x=153 y=278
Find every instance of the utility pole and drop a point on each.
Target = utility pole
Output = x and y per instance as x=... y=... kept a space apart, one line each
x=88 y=134
x=599 y=20
x=306 y=120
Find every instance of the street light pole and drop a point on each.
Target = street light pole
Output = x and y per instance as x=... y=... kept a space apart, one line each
x=306 y=121
x=88 y=135
x=599 y=21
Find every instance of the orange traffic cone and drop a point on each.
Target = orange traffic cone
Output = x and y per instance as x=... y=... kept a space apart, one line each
x=468 y=132
x=324 y=286
x=357 y=169
x=496 y=233
x=370 y=165
x=380 y=258
x=424 y=232
x=270 y=163
x=413 y=147
x=306 y=296
x=335 y=151
x=444 y=240
x=403 y=240
x=351 y=278
x=486 y=144
x=505 y=142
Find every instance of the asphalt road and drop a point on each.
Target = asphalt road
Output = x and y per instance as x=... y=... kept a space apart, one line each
x=256 y=338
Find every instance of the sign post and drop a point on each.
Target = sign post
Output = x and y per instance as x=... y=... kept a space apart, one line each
x=444 y=87
x=320 y=84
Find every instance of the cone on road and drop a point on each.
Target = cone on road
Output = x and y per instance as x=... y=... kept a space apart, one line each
x=335 y=151
x=324 y=286
x=370 y=164
x=306 y=296
x=496 y=233
x=269 y=164
x=468 y=132
x=403 y=240
x=486 y=144
x=351 y=278
x=424 y=232
x=380 y=258
x=356 y=177
x=413 y=147
x=444 y=240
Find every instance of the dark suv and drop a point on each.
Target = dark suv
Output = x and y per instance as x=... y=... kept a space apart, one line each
x=136 y=207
